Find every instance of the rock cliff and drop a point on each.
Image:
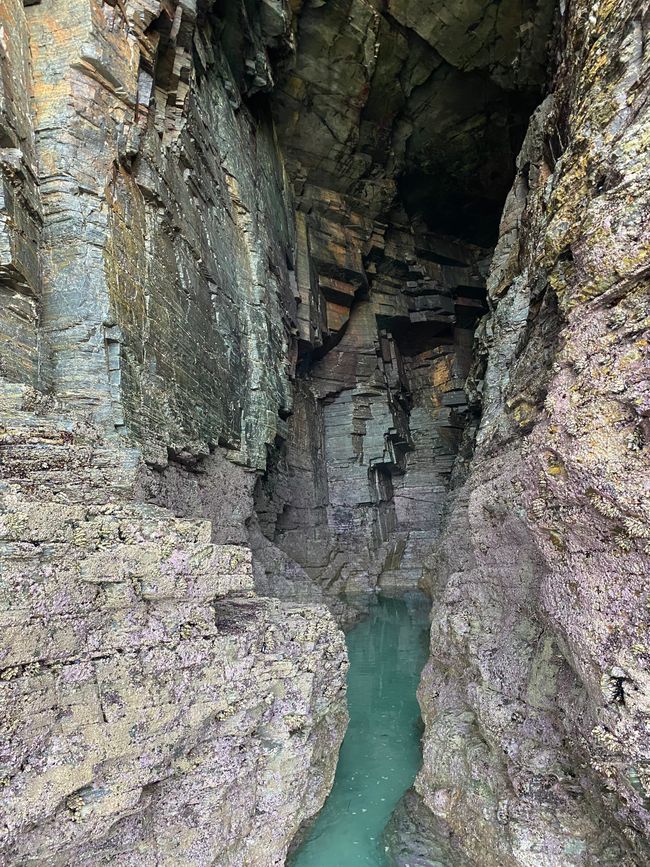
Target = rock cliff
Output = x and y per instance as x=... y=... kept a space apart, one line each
x=536 y=694
x=259 y=347
x=155 y=710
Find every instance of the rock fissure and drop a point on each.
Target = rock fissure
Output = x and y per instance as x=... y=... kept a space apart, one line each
x=306 y=299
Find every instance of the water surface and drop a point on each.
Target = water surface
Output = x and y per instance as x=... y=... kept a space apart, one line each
x=380 y=755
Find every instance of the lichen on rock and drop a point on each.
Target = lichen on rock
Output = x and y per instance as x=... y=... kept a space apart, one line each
x=537 y=676
x=265 y=341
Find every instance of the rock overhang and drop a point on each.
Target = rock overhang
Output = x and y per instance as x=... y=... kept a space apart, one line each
x=412 y=102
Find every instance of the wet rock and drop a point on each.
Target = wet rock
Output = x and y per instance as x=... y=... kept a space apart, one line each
x=414 y=837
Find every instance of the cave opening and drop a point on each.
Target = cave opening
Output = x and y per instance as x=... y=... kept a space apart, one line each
x=399 y=129
x=399 y=170
x=400 y=174
x=266 y=375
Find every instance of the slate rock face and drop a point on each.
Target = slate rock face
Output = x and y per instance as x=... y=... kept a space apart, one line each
x=536 y=695
x=245 y=270
x=355 y=494
x=168 y=233
x=400 y=139
x=20 y=214
x=155 y=710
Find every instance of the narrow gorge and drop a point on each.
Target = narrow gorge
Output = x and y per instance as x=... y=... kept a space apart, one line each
x=307 y=307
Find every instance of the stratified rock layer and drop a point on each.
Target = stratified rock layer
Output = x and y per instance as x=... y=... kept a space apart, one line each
x=243 y=251
x=20 y=212
x=155 y=710
x=536 y=697
x=399 y=125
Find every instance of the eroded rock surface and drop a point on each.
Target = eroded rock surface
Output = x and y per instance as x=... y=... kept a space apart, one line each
x=536 y=696
x=400 y=140
x=155 y=709
x=244 y=249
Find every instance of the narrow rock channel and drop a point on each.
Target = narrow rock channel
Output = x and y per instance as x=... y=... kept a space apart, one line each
x=381 y=753
x=309 y=301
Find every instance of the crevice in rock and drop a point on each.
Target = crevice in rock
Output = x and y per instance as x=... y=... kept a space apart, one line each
x=265 y=341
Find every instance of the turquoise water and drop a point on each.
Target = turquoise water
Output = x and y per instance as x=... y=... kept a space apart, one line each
x=380 y=755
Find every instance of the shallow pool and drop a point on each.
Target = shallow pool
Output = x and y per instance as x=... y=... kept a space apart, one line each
x=380 y=755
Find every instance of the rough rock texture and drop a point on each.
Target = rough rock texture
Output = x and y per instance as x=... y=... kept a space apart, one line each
x=20 y=217
x=243 y=251
x=357 y=491
x=411 y=94
x=414 y=837
x=536 y=697
x=167 y=237
x=399 y=126
x=155 y=710
x=173 y=254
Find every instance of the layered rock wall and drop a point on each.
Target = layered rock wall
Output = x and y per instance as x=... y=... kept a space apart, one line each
x=168 y=229
x=20 y=210
x=536 y=696
x=356 y=494
x=155 y=710
x=399 y=138
x=243 y=252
